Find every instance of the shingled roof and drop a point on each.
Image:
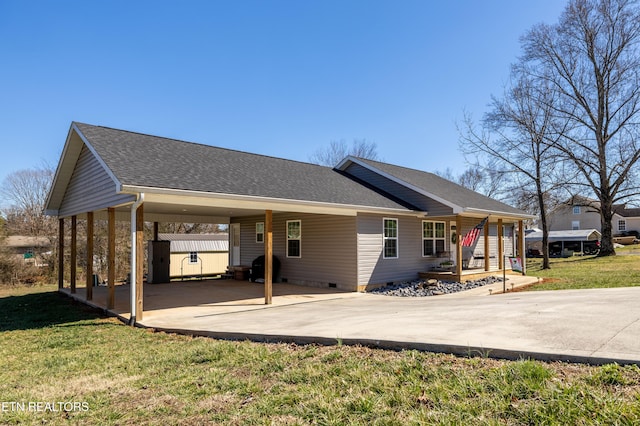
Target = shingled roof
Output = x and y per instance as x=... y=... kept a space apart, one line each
x=430 y=184
x=142 y=160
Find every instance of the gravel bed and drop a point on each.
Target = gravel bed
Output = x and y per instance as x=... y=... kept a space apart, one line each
x=422 y=288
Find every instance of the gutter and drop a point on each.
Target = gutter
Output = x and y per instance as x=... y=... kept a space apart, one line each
x=134 y=249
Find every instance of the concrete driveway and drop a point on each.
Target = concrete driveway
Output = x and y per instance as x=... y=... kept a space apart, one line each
x=595 y=326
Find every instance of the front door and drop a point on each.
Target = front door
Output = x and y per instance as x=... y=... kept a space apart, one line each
x=234 y=243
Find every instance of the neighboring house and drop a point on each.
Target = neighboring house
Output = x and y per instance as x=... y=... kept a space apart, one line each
x=361 y=224
x=28 y=249
x=197 y=255
x=580 y=213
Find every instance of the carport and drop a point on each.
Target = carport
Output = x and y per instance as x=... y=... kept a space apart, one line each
x=115 y=175
x=562 y=242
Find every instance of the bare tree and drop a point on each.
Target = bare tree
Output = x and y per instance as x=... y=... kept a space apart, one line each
x=26 y=192
x=590 y=60
x=517 y=135
x=338 y=150
x=482 y=179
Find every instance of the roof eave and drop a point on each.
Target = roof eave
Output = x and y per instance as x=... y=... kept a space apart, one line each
x=266 y=203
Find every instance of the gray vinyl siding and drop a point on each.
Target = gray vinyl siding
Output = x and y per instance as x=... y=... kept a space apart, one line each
x=328 y=248
x=373 y=268
x=414 y=198
x=90 y=188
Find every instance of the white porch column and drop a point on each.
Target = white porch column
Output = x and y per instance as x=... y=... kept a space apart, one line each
x=135 y=278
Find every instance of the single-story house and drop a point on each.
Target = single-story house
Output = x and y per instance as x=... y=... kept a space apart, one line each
x=28 y=249
x=565 y=243
x=354 y=226
x=196 y=255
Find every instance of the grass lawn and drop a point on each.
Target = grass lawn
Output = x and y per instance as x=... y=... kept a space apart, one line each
x=55 y=351
x=622 y=270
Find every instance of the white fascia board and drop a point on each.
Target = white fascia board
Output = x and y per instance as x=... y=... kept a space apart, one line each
x=499 y=213
x=195 y=198
x=343 y=164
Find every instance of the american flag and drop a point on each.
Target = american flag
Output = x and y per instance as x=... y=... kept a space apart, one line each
x=471 y=236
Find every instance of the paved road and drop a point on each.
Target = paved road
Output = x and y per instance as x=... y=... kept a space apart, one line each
x=597 y=326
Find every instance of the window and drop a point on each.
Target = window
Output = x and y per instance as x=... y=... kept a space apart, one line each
x=576 y=209
x=575 y=225
x=390 y=238
x=294 y=236
x=193 y=257
x=622 y=225
x=433 y=238
x=260 y=232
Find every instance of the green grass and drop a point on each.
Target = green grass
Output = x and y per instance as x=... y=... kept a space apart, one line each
x=54 y=350
x=622 y=270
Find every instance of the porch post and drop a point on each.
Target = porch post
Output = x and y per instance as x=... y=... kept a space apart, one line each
x=135 y=271
x=523 y=255
x=139 y=260
x=500 y=246
x=268 y=256
x=60 y=253
x=487 y=248
x=155 y=231
x=89 y=288
x=111 y=259
x=459 y=247
x=74 y=252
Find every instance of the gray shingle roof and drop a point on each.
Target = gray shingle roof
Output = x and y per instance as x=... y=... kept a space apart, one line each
x=443 y=188
x=143 y=160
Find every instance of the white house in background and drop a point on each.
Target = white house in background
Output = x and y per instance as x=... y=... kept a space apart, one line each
x=581 y=213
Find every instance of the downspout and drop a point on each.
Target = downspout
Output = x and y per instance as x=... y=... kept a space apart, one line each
x=134 y=266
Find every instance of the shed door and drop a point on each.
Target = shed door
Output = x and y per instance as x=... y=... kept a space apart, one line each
x=234 y=253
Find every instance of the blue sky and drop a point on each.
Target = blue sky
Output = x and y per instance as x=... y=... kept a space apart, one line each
x=280 y=78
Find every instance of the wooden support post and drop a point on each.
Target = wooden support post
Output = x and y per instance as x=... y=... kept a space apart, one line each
x=139 y=260
x=74 y=252
x=500 y=245
x=89 y=289
x=459 y=247
x=487 y=247
x=155 y=231
x=60 y=253
x=521 y=249
x=268 y=257
x=111 y=259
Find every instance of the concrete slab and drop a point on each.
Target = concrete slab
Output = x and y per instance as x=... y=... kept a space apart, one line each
x=595 y=326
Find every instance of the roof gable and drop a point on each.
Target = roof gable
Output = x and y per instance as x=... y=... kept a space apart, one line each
x=457 y=197
x=139 y=161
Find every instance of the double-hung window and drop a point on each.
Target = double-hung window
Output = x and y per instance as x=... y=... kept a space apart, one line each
x=294 y=238
x=390 y=238
x=622 y=225
x=433 y=238
x=259 y=232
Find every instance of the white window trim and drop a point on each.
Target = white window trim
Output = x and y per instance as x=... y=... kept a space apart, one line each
x=191 y=262
x=622 y=222
x=258 y=233
x=576 y=209
x=434 y=238
x=294 y=239
x=396 y=238
x=575 y=225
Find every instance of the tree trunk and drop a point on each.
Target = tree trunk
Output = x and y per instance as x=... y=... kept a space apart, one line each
x=606 y=241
